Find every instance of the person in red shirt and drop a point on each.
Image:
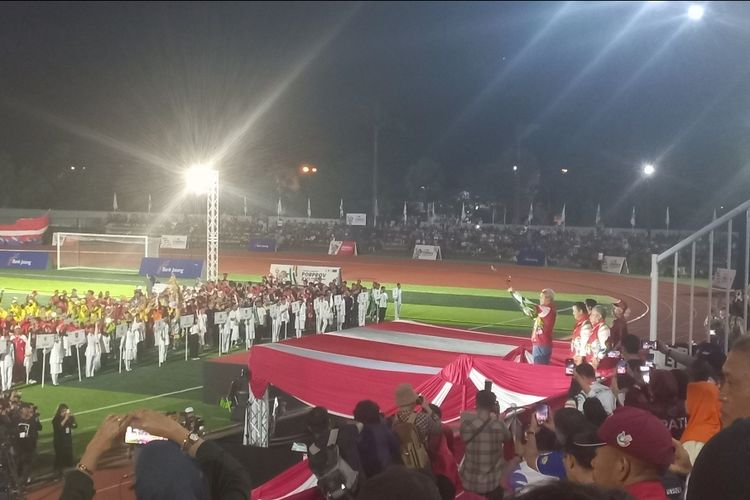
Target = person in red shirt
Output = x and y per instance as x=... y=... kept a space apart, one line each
x=634 y=451
x=544 y=314
x=19 y=347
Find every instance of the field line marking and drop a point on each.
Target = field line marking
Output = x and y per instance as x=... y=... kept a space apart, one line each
x=94 y=410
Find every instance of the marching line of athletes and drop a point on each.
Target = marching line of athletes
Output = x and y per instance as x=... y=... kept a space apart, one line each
x=18 y=354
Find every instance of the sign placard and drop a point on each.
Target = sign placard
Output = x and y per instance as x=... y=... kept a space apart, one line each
x=220 y=317
x=3 y=345
x=178 y=242
x=334 y=246
x=723 y=278
x=245 y=313
x=121 y=330
x=427 y=252
x=187 y=321
x=45 y=341
x=616 y=265
x=77 y=337
x=356 y=219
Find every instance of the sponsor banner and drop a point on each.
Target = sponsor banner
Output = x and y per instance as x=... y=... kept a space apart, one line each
x=23 y=260
x=175 y=241
x=262 y=245
x=427 y=252
x=531 y=257
x=346 y=247
x=164 y=268
x=723 y=278
x=356 y=219
x=613 y=264
x=333 y=247
x=311 y=274
x=23 y=231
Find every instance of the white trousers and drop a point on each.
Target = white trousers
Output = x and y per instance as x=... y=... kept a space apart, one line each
x=397 y=311
x=362 y=314
x=162 y=353
x=6 y=374
x=90 y=360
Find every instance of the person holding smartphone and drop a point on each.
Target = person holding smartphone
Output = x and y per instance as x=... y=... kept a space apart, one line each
x=63 y=424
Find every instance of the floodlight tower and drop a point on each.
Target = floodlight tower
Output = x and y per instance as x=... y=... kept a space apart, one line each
x=204 y=179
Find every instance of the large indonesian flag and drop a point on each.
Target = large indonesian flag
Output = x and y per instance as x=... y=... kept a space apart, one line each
x=27 y=230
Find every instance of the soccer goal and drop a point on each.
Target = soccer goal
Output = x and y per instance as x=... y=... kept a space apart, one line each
x=114 y=252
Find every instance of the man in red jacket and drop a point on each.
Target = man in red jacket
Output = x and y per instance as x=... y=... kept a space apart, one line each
x=544 y=315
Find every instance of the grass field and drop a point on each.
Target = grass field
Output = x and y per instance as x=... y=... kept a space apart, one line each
x=178 y=384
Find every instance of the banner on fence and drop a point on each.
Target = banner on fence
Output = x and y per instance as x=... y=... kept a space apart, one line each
x=613 y=264
x=176 y=241
x=427 y=252
x=356 y=219
x=10 y=259
x=164 y=268
x=531 y=257
x=262 y=245
x=346 y=247
x=300 y=274
x=723 y=278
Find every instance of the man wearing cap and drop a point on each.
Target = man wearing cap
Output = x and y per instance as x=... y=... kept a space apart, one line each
x=425 y=422
x=634 y=451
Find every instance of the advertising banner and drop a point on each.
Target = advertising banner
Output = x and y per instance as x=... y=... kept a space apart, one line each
x=311 y=274
x=427 y=252
x=23 y=260
x=164 y=268
x=723 y=278
x=333 y=247
x=346 y=247
x=531 y=257
x=356 y=219
x=616 y=265
x=176 y=241
x=262 y=245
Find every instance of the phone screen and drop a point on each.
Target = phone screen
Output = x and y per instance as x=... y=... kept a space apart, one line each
x=646 y=373
x=569 y=366
x=613 y=354
x=542 y=414
x=648 y=344
x=134 y=435
x=622 y=367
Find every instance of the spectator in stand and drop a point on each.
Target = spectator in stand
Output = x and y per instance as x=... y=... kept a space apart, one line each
x=591 y=388
x=634 y=451
x=703 y=410
x=483 y=433
x=721 y=468
x=544 y=315
x=63 y=424
x=377 y=445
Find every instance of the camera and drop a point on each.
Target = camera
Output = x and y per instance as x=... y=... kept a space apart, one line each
x=649 y=344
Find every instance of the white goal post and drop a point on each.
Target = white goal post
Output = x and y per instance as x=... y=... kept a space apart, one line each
x=122 y=252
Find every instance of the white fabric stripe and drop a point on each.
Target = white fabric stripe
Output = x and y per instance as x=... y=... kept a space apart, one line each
x=505 y=397
x=427 y=342
x=442 y=394
x=370 y=364
x=24 y=232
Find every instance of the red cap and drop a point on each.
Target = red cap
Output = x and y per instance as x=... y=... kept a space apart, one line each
x=639 y=434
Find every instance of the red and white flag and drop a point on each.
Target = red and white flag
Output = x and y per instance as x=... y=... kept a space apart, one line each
x=23 y=231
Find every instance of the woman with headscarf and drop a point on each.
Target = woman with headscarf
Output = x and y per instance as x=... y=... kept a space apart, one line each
x=63 y=424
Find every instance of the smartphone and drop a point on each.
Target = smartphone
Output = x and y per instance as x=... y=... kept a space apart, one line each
x=712 y=332
x=613 y=354
x=488 y=385
x=622 y=367
x=542 y=414
x=646 y=373
x=134 y=435
x=649 y=344
x=569 y=366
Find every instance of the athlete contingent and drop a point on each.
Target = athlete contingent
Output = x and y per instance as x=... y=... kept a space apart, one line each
x=99 y=328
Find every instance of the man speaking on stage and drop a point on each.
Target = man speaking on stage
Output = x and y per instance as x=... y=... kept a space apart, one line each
x=544 y=315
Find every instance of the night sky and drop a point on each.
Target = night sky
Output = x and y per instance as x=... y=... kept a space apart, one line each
x=136 y=92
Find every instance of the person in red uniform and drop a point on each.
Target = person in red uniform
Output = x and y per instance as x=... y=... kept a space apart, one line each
x=544 y=315
x=19 y=348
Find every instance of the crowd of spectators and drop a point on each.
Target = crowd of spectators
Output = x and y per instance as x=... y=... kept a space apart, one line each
x=19 y=435
x=572 y=247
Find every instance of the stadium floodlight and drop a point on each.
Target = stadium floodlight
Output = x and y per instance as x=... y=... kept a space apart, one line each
x=649 y=169
x=696 y=12
x=198 y=178
x=515 y=168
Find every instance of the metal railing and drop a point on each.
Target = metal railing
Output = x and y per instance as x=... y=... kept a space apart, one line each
x=691 y=241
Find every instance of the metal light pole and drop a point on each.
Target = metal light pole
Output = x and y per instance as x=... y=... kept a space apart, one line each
x=212 y=226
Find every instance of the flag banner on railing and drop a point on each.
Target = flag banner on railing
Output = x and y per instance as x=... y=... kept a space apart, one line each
x=24 y=231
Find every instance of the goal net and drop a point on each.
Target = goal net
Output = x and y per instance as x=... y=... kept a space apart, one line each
x=115 y=252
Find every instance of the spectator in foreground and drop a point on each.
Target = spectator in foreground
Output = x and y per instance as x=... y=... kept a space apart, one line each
x=223 y=477
x=399 y=483
x=63 y=424
x=634 y=451
x=591 y=388
x=721 y=468
x=566 y=490
x=735 y=391
x=377 y=445
x=578 y=455
x=412 y=428
x=483 y=433
x=703 y=409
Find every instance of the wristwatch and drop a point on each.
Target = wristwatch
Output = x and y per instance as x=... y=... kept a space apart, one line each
x=189 y=441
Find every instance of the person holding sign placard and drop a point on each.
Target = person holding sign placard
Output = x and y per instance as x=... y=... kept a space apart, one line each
x=340 y=305
x=161 y=339
x=363 y=298
x=202 y=319
x=129 y=343
x=92 y=347
x=234 y=326
x=7 y=360
x=56 y=355
x=298 y=309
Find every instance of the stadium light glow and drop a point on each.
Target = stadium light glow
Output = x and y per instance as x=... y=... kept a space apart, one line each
x=648 y=169
x=515 y=168
x=696 y=12
x=563 y=170
x=199 y=178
